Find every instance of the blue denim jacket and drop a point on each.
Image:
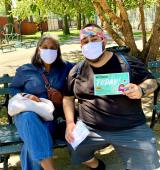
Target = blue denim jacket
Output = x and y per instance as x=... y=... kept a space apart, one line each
x=28 y=79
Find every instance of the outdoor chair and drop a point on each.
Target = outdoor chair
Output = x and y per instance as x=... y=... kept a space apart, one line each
x=9 y=33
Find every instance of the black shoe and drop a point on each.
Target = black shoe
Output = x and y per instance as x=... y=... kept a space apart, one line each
x=101 y=166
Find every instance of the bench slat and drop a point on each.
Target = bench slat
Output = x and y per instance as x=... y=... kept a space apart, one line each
x=11 y=149
x=4 y=91
x=5 y=79
x=153 y=64
x=156 y=74
x=157 y=107
x=8 y=134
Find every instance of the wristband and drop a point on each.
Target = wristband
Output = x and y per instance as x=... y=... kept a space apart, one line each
x=143 y=91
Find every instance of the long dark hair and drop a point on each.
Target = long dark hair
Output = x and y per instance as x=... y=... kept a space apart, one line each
x=37 y=61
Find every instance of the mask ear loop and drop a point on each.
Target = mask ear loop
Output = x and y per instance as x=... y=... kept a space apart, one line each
x=104 y=41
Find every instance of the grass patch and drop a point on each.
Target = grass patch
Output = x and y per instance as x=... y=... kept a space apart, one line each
x=3 y=111
x=139 y=34
x=57 y=34
x=3 y=116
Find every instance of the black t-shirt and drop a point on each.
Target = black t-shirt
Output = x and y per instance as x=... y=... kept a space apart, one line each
x=112 y=66
x=109 y=112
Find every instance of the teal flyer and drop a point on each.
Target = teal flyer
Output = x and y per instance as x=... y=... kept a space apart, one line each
x=110 y=84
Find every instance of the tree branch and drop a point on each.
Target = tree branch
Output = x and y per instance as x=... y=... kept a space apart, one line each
x=115 y=19
x=127 y=29
x=145 y=50
x=119 y=40
x=155 y=40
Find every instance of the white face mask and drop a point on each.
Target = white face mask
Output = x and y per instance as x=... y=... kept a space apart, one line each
x=92 y=50
x=48 y=55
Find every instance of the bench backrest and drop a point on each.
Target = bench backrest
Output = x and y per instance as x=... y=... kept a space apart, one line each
x=154 y=67
x=5 y=80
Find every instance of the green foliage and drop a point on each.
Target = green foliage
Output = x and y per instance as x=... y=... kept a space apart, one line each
x=85 y=7
x=2 y=2
x=2 y=9
x=40 y=8
x=62 y=8
x=28 y=8
x=131 y=4
x=3 y=115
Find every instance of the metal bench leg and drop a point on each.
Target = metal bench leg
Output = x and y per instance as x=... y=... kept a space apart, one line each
x=1 y=159
x=153 y=120
x=5 y=163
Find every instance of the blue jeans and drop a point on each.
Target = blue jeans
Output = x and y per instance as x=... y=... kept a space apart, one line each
x=37 y=137
x=136 y=147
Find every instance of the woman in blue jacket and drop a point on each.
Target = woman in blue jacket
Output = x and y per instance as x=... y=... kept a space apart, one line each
x=36 y=133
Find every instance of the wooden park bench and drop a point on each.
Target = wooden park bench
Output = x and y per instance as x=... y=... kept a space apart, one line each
x=10 y=142
x=29 y=43
x=7 y=47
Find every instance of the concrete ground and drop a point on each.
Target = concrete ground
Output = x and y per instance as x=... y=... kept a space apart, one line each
x=8 y=64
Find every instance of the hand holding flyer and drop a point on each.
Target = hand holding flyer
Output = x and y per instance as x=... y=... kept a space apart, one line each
x=110 y=84
x=80 y=132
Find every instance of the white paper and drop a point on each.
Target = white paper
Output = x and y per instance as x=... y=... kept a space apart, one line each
x=80 y=132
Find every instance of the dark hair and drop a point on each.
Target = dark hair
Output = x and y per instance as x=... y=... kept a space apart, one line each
x=37 y=61
x=92 y=24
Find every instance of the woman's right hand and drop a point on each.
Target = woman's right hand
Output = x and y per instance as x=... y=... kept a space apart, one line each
x=33 y=97
x=69 y=131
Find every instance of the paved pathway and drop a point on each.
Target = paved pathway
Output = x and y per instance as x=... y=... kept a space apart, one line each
x=11 y=60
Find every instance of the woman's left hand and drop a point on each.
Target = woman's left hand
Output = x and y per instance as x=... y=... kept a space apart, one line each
x=133 y=91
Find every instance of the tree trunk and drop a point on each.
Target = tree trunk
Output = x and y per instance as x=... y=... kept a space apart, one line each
x=122 y=23
x=40 y=28
x=115 y=19
x=155 y=38
x=127 y=30
x=142 y=22
x=84 y=20
x=110 y=5
x=119 y=40
x=145 y=51
x=20 y=28
x=78 y=21
x=9 y=15
x=65 y=25
x=69 y=21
